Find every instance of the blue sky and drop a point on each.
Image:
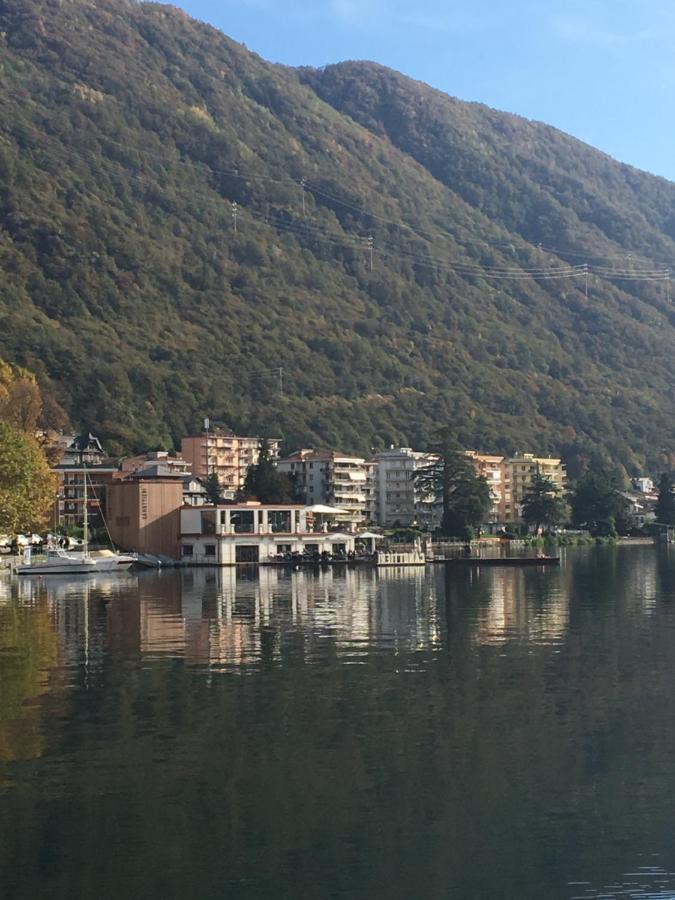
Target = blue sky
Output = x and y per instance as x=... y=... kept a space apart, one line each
x=602 y=70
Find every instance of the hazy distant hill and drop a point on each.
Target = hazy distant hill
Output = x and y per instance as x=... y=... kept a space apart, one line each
x=128 y=131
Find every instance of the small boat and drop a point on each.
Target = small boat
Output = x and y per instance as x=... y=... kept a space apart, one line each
x=60 y=562
x=111 y=561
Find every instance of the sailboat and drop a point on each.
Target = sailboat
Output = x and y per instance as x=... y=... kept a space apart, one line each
x=60 y=562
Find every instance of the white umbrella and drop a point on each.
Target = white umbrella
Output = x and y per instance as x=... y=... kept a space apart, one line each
x=370 y=535
x=322 y=510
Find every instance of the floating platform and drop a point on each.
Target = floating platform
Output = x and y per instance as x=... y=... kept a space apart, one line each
x=476 y=561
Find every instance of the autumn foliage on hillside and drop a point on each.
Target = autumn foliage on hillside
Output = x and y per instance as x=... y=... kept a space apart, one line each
x=180 y=220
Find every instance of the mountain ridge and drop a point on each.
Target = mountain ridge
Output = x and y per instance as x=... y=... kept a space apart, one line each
x=128 y=133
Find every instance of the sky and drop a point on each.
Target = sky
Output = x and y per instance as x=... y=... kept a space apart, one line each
x=601 y=70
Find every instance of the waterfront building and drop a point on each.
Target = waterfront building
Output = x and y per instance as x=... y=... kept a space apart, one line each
x=143 y=514
x=252 y=533
x=492 y=469
x=397 y=500
x=79 y=457
x=226 y=454
x=334 y=479
x=519 y=470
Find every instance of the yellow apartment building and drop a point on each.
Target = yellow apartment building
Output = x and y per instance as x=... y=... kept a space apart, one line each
x=519 y=470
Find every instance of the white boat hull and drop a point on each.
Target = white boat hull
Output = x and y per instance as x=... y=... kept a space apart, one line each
x=60 y=563
x=45 y=568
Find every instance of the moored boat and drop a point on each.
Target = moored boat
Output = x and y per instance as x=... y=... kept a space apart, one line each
x=60 y=562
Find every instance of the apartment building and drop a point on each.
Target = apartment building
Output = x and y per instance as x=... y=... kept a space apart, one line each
x=228 y=455
x=519 y=470
x=327 y=477
x=155 y=461
x=492 y=469
x=81 y=457
x=397 y=499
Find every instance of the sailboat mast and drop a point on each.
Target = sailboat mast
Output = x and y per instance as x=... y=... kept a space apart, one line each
x=86 y=514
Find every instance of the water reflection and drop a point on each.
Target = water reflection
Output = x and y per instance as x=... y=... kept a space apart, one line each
x=493 y=733
x=234 y=618
x=645 y=883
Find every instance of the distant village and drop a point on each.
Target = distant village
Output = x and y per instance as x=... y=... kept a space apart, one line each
x=157 y=503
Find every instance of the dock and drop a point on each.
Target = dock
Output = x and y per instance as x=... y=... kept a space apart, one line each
x=510 y=561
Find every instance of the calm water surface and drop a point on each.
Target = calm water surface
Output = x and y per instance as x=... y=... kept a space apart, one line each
x=498 y=733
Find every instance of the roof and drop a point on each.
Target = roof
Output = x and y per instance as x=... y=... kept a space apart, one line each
x=240 y=507
x=159 y=470
x=90 y=469
x=320 y=509
x=85 y=441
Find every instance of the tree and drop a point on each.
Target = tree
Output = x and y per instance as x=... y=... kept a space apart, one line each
x=214 y=492
x=665 y=505
x=264 y=482
x=542 y=504
x=27 y=484
x=20 y=399
x=596 y=504
x=452 y=481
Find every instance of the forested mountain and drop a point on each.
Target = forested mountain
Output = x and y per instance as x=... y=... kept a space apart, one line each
x=143 y=299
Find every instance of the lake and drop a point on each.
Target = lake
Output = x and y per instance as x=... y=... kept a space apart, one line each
x=489 y=733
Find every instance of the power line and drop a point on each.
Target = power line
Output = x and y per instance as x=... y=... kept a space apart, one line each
x=203 y=167
x=466 y=269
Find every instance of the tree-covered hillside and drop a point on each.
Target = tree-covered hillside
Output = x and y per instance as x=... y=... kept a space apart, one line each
x=129 y=131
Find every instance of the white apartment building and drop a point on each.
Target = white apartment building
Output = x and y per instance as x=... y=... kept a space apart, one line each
x=397 y=500
x=333 y=479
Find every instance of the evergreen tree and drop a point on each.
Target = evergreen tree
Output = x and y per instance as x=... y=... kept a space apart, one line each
x=452 y=481
x=542 y=504
x=665 y=506
x=596 y=504
x=264 y=482
x=214 y=492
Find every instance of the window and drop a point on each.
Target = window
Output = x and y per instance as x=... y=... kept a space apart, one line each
x=210 y=550
x=247 y=554
x=279 y=520
x=187 y=550
x=243 y=521
x=209 y=522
